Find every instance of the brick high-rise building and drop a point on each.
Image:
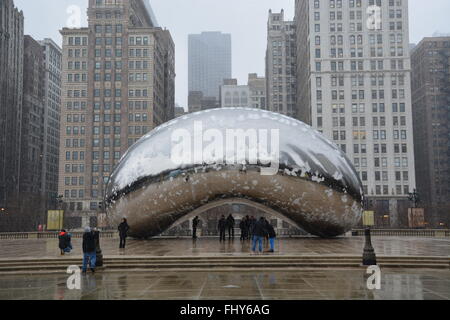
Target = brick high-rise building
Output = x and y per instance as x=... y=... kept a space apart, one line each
x=118 y=84
x=281 y=61
x=11 y=82
x=430 y=61
x=354 y=87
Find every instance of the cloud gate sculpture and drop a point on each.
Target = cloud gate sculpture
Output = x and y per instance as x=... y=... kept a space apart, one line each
x=263 y=157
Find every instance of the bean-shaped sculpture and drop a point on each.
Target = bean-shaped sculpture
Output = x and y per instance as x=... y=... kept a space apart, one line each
x=263 y=157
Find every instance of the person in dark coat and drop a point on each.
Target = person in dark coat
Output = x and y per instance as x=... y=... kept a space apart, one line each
x=272 y=235
x=259 y=232
x=123 y=233
x=89 y=250
x=195 y=223
x=65 y=244
x=251 y=226
x=222 y=225
x=230 y=226
x=243 y=227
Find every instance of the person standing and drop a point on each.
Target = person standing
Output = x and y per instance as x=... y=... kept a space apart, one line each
x=243 y=227
x=230 y=226
x=89 y=250
x=222 y=225
x=123 y=233
x=272 y=235
x=195 y=223
x=251 y=226
x=259 y=232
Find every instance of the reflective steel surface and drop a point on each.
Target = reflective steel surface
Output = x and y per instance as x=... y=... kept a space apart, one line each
x=315 y=185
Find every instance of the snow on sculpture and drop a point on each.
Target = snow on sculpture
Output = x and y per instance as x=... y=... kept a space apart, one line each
x=217 y=154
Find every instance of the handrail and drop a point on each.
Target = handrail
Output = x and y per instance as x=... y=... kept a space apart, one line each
x=48 y=235
x=404 y=232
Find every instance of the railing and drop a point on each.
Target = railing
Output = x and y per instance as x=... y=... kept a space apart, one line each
x=431 y=233
x=49 y=235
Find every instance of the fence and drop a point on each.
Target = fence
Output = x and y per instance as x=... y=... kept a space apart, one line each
x=49 y=235
x=430 y=233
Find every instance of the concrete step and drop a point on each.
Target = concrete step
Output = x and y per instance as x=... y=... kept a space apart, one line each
x=228 y=262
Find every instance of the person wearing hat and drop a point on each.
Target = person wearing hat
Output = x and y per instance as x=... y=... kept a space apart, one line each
x=89 y=250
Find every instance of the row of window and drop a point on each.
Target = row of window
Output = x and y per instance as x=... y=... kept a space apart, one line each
x=359 y=65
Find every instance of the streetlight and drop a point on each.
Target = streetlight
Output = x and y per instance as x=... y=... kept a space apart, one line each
x=369 y=256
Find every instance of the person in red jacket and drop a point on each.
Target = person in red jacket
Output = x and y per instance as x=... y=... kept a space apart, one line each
x=65 y=244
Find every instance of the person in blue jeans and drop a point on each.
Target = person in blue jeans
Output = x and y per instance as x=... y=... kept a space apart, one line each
x=89 y=250
x=259 y=232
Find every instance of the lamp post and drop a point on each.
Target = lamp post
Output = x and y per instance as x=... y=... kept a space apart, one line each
x=369 y=256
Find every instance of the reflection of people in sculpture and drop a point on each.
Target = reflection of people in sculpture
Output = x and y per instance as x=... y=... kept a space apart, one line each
x=123 y=231
x=230 y=226
x=222 y=227
x=195 y=223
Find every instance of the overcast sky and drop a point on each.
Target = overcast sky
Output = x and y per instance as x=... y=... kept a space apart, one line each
x=246 y=20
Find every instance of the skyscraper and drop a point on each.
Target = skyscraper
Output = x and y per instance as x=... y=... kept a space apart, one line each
x=118 y=84
x=354 y=86
x=52 y=115
x=431 y=114
x=281 y=64
x=209 y=62
x=11 y=83
x=32 y=136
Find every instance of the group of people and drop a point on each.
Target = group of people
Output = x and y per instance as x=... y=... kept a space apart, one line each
x=262 y=229
x=251 y=229
x=225 y=225
x=91 y=238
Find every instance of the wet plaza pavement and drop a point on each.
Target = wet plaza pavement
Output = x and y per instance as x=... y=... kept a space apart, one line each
x=386 y=246
x=290 y=285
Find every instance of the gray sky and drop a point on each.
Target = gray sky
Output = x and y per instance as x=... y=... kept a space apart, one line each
x=246 y=20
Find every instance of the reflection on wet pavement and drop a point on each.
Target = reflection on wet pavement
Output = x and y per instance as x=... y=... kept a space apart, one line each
x=298 y=285
x=210 y=247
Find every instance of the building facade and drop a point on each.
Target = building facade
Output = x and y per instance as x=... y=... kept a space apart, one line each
x=354 y=87
x=118 y=83
x=209 y=62
x=251 y=95
x=233 y=95
x=431 y=114
x=281 y=65
x=32 y=160
x=258 y=91
x=11 y=83
x=52 y=115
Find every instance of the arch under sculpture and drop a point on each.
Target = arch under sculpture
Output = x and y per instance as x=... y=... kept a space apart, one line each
x=179 y=167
